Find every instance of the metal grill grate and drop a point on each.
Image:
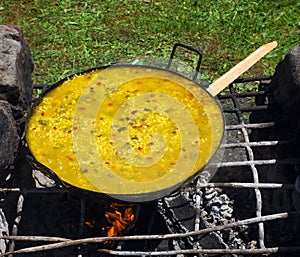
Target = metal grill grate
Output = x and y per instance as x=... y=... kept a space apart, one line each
x=240 y=154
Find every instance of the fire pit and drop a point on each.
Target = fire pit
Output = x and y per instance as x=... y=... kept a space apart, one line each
x=250 y=207
x=232 y=214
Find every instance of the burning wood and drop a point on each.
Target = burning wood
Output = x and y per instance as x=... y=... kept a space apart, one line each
x=119 y=217
x=118 y=220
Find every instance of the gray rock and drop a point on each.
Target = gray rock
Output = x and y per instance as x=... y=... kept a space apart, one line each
x=16 y=66
x=284 y=109
x=285 y=84
x=9 y=137
x=285 y=88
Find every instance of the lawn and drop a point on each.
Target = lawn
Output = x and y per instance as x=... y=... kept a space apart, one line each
x=69 y=36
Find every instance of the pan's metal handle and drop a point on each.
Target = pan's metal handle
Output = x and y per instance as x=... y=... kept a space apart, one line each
x=190 y=49
x=46 y=171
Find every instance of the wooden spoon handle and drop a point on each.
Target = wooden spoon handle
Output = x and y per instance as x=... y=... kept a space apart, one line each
x=222 y=82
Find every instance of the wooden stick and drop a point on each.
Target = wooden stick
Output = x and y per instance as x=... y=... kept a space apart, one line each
x=222 y=82
x=70 y=242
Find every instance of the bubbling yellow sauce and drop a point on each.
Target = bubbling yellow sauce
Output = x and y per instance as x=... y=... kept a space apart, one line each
x=138 y=147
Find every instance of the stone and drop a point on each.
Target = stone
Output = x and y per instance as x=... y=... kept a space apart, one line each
x=9 y=137
x=283 y=96
x=16 y=66
x=285 y=88
x=285 y=84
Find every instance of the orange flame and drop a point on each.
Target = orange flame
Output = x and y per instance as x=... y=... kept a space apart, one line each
x=90 y=224
x=119 y=217
x=118 y=220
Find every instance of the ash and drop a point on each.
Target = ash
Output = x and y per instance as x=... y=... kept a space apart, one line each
x=217 y=208
x=195 y=208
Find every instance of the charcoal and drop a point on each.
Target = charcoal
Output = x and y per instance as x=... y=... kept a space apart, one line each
x=215 y=208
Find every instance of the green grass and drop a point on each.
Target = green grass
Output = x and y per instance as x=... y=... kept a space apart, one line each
x=69 y=36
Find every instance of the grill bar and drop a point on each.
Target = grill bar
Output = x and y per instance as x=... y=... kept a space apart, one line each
x=248 y=185
x=257 y=162
x=205 y=251
x=249 y=126
x=281 y=250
